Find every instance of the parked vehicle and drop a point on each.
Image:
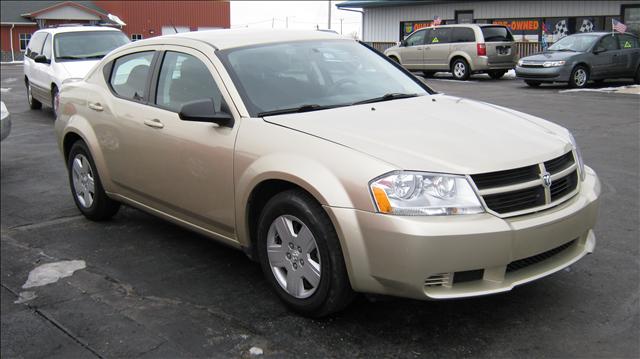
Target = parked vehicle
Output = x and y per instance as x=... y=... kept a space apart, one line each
x=6 y=121
x=459 y=49
x=65 y=52
x=579 y=58
x=328 y=163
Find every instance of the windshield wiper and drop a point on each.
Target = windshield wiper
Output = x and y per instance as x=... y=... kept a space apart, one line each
x=79 y=57
x=303 y=108
x=386 y=97
x=563 y=50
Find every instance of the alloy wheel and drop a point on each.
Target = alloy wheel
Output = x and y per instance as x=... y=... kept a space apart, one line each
x=580 y=77
x=459 y=69
x=83 y=181
x=293 y=256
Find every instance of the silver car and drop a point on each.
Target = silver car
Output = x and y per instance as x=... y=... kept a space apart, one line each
x=460 y=49
x=6 y=122
x=578 y=58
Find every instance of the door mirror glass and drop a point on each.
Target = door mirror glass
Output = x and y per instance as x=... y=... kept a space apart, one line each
x=204 y=111
x=41 y=59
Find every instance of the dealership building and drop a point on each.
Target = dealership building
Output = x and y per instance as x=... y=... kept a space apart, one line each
x=137 y=19
x=388 y=21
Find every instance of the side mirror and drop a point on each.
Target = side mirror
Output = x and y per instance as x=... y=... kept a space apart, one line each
x=403 y=43
x=41 y=59
x=599 y=49
x=204 y=111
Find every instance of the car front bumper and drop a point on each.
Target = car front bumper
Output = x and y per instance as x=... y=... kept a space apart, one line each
x=544 y=74
x=443 y=257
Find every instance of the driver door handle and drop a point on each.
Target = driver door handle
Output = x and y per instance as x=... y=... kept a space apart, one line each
x=96 y=106
x=155 y=123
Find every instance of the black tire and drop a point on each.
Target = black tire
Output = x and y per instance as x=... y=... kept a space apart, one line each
x=576 y=80
x=533 y=83
x=102 y=207
x=333 y=291
x=54 y=107
x=496 y=74
x=460 y=69
x=428 y=73
x=33 y=103
x=395 y=59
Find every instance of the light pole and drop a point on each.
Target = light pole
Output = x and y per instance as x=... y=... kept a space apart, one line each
x=329 y=19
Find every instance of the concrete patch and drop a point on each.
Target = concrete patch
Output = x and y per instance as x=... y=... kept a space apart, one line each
x=632 y=89
x=52 y=272
x=25 y=297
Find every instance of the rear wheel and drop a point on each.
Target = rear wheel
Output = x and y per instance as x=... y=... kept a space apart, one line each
x=394 y=59
x=460 y=69
x=86 y=186
x=496 y=74
x=532 y=83
x=33 y=103
x=579 y=77
x=300 y=255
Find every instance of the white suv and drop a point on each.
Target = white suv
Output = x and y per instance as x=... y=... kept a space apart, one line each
x=61 y=53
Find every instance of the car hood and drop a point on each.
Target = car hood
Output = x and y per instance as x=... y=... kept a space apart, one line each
x=552 y=56
x=437 y=133
x=77 y=69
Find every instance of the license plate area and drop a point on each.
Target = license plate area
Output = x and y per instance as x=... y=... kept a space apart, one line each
x=503 y=50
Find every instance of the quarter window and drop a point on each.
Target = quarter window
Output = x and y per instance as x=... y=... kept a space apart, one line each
x=24 y=41
x=46 y=49
x=184 y=78
x=416 y=39
x=35 y=44
x=130 y=74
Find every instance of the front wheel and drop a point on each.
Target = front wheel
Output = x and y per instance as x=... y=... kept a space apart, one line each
x=33 y=103
x=300 y=255
x=460 y=69
x=86 y=186
x=579 y=77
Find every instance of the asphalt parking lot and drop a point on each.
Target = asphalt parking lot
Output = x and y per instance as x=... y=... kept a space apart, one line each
x=152 y=289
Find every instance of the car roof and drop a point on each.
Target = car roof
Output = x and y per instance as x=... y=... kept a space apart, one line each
x=599 y=33
x=231 y=38
x=80 y=28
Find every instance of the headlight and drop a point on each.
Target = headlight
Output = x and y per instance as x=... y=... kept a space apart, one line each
x=578 y=155
x=418 y=194
x=520 y=62
x=553 y=63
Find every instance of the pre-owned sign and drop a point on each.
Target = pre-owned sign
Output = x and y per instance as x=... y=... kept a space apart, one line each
x=526 y=26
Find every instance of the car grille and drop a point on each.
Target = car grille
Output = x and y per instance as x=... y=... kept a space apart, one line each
x=525 y=262
x=523 y=190
x=532 y=64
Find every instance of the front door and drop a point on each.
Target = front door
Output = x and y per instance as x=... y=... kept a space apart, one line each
x=411 y=52
x=604 y=65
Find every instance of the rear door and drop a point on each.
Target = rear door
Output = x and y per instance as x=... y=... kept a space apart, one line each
x=629 y=54
x=437 y=49
x=500 y=45
x=412 y=54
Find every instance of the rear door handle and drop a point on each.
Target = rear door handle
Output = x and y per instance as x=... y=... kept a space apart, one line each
x=155 y=123
x=96 y=106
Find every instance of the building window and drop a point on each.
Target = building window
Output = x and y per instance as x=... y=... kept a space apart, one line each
x=24 y=41
x=136 y=37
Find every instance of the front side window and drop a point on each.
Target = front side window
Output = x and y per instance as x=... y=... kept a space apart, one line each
x=35 y=45
x=416 y=39
x=325 y=73
x=130 y=74
x=184 y=78
x=609 y=43
x=86 y=45
x=627 y=42
x=24 y=41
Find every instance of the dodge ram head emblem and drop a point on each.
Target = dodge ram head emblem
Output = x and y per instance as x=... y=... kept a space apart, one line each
x=546 y=179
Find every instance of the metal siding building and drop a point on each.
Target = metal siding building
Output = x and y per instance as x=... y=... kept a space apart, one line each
x=382 y=19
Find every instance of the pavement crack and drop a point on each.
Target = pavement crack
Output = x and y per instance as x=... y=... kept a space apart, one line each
x=66 y=331
x=50 y=222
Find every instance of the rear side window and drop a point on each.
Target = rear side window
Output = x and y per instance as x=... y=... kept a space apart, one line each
x=463 y=34
x=416 y=39
x=439 y=36
x=130 y=74
x=35 y=44
x=184 y=78
x=496 y=34
x=627 y=41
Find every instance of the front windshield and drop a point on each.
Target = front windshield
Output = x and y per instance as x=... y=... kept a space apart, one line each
x=85 y=45
x=579 y=43
x=320 y=73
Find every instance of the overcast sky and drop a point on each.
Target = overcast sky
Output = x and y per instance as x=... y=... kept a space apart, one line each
x=300 y=14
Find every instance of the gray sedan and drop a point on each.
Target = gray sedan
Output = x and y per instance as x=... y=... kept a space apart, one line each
x=578 y=58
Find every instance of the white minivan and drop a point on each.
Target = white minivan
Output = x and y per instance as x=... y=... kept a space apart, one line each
x=64 y=52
